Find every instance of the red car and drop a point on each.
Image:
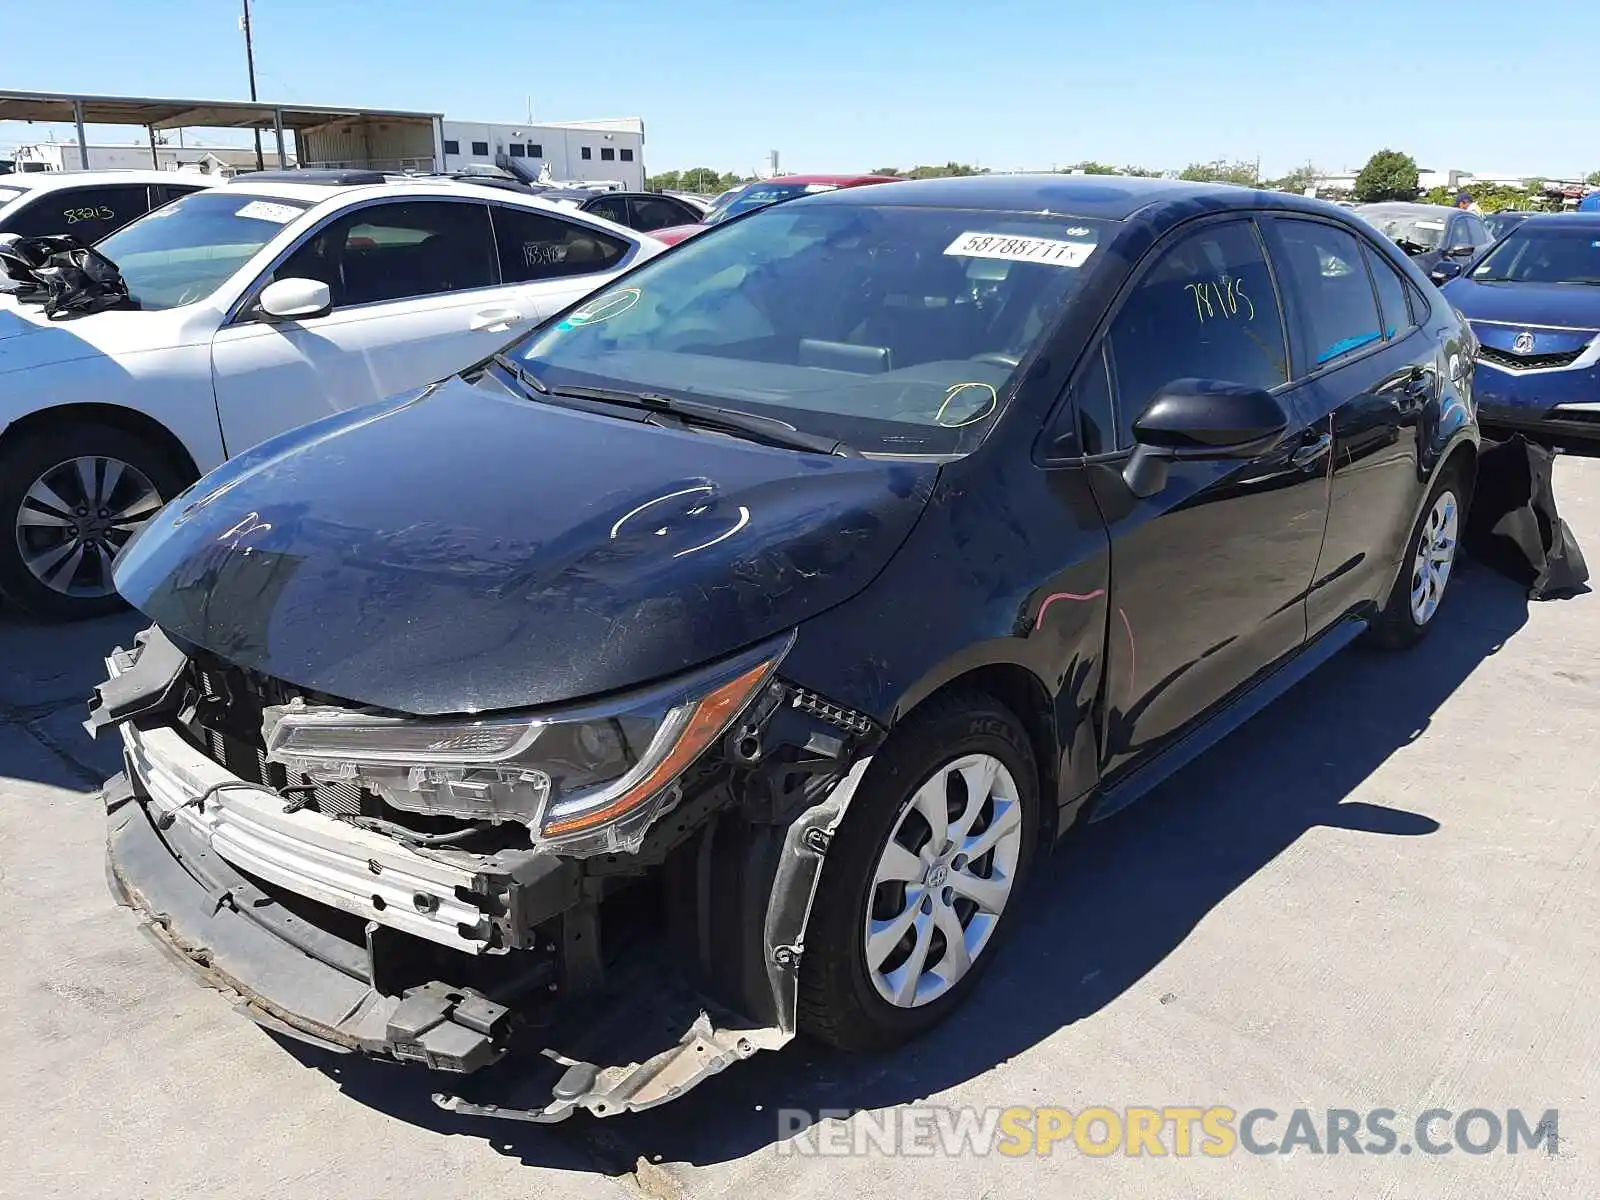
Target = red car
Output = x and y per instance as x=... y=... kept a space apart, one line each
x=764 y=192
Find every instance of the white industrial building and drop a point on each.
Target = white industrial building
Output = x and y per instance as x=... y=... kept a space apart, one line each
x=611 y=150
x=576 y=150
x=211 y=160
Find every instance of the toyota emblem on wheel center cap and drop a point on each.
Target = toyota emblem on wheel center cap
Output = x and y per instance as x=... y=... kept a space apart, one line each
x=1523 y=344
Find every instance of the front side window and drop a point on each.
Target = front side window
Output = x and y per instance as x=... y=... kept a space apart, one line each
x=1541 y=253
x=184 y=251
x=1328 y=291
x=893 y=329
x=398 y=251
x=1205 y=310
x=88 y=214
x=538 y=246
x=1461 y=234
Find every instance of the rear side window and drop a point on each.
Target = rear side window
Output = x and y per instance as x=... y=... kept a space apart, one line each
x=1205 y=310
x=87 y=213
x=657 y=212
x=609 y=208
x=538 y=246
x=1328 y=291
x=1393 y=295
x=398 y=252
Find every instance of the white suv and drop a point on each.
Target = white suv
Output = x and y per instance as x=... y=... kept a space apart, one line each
x=257 y=307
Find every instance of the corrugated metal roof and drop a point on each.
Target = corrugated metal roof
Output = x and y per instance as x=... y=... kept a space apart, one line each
x=168 y=113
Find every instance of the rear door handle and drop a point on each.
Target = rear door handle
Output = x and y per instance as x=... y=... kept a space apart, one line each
x=494 y=320
x=1311 y=451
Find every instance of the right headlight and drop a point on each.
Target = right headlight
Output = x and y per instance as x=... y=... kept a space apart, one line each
x=586 y=780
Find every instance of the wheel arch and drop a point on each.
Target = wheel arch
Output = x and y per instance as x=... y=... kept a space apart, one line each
x=114 y=416
x=1021 y=690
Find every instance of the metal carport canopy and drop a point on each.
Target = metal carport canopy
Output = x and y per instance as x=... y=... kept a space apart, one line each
x=165 y=113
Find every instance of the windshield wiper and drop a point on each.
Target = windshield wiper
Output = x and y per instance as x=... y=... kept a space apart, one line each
x=519 y=372
x=710 y=416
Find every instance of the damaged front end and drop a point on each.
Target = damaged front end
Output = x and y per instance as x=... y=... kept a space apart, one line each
x=608 y=901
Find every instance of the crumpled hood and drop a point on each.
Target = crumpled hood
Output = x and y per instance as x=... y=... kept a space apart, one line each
x=455 y=550
x=1526 y=303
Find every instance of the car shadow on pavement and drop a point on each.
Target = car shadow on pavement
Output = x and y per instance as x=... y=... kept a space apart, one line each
x=1103 y=910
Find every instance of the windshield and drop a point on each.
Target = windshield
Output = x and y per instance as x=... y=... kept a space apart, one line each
x=1409 y=230
x=186 y=250
x=1545 y=254
x=760 y=195
x=895 y=330
x=1499 y=224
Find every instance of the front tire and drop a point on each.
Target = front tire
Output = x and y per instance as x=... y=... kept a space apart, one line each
x=71 y=496
x=922 y=877
x=1428 y=565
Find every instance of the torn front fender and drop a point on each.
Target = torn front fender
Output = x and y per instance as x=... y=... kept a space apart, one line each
x=701 y=1043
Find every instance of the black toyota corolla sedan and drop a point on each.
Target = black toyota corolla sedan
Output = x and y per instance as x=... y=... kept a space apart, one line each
x=712 y=663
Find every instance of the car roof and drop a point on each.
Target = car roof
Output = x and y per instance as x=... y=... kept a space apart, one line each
x=51 y=180
x=1405 y=206
x=1580 y=219
x=1106 y=197
x=323 y=199
x=837 y=180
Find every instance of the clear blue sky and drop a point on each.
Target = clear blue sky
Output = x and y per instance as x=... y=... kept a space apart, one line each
x=855 y=84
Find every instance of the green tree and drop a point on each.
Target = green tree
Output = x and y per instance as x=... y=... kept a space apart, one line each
x=1388 y=175
x=1089 y=167
x=1144 y=172
x=1592 y=178
x=1242 y=172
x=1297 y=180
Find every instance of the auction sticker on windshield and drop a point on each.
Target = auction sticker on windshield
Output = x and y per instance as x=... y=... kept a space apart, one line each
x=265 y=210
x=1012 y=248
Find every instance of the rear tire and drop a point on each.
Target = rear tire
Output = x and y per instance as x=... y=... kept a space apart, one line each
x=937 y=912
x=1427 y=568
x=71 y=496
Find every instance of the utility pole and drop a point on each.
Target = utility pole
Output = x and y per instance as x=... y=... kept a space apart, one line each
x=250 y=62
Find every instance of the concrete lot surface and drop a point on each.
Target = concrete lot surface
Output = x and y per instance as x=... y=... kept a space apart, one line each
x=1383 y=893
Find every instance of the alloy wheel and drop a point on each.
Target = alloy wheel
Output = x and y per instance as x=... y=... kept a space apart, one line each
x=76 y=517
x=942 y=880
x=1436 y=554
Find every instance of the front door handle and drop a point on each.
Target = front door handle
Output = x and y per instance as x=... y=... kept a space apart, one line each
x=1311 y=451
x=494 y=320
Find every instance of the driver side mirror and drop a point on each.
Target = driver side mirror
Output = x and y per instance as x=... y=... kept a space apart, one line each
x=1200 y=419
x=1461 y=251
x=295 y=299
x=1444 y=271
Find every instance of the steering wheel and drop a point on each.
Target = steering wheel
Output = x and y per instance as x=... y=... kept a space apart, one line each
x=997 y=358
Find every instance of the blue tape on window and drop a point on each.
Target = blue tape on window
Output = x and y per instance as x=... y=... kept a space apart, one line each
x=1348 y=344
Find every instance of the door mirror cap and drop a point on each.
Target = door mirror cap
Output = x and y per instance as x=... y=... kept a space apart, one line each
x=1461 y=251
x=1444 y=271
x=295 y=299
x=1200 y=419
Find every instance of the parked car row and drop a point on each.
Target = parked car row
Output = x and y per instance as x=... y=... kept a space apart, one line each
x=256 y=307
x=711 y=659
